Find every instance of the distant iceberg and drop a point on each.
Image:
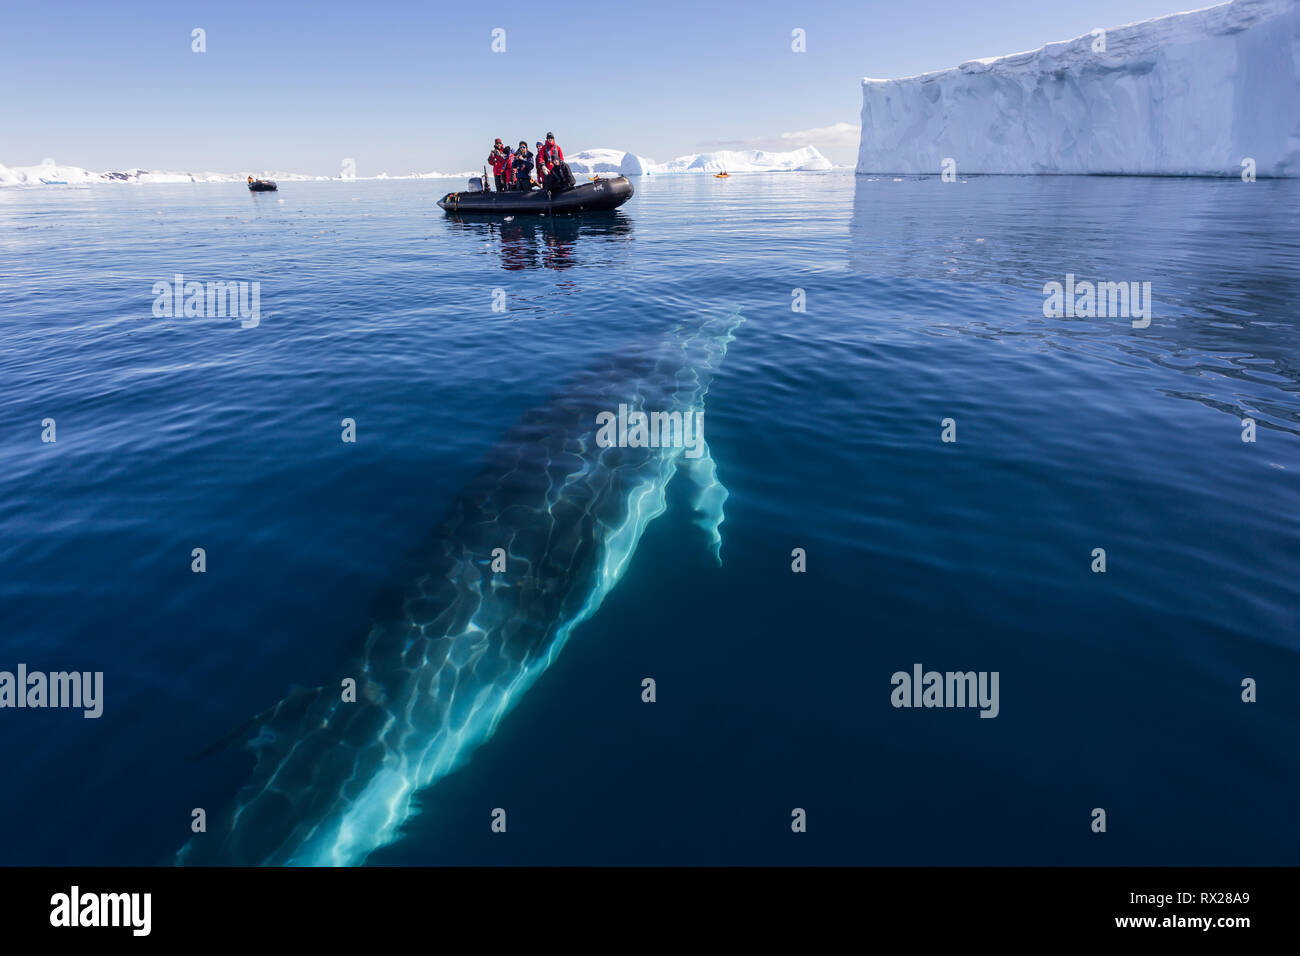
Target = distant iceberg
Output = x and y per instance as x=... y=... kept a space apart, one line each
x=588 y=162
x=1190 y=94
x=746 y=161
x=49 y=173
x=46 y=173
x=614 y=161
x=465 y=175
x=52 y=174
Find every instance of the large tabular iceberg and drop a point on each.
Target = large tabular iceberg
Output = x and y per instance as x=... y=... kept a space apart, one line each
x=1191 y=94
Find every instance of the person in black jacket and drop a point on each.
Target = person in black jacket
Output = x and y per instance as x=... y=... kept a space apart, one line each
x=523 y=167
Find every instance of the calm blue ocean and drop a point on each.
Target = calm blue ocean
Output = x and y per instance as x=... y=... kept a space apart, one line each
x=924 y=301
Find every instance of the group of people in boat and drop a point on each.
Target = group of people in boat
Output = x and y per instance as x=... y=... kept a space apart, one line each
x=513 y=169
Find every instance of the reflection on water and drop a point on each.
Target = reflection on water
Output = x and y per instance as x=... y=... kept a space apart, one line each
x=1222 y=257
x=545 y=242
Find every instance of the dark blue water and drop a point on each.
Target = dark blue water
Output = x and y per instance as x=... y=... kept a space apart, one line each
x=924 y=300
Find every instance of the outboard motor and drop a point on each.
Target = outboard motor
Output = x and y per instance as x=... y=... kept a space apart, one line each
x=476 y=184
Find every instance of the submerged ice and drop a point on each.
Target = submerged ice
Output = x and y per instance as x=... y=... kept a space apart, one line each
x=336 y=778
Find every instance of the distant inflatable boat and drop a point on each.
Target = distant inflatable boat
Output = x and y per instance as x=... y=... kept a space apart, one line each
x=599 y=196
x=262 y=186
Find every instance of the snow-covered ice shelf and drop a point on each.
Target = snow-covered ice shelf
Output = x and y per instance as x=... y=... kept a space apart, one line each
x=1192 y=94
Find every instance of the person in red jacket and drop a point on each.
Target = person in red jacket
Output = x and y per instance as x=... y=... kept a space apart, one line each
x=508 y=167
x=549 y=155
x=497 y=160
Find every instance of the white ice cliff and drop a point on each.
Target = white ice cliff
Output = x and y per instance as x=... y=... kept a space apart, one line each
x=1196 y=93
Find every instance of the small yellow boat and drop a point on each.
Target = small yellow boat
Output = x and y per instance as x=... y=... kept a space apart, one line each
x=722 y=175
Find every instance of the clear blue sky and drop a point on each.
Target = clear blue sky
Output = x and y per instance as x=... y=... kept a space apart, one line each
x=404 y=87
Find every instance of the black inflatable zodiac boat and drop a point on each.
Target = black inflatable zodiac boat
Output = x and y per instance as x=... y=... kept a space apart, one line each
x=599 y=196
